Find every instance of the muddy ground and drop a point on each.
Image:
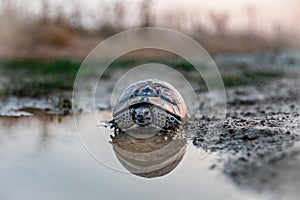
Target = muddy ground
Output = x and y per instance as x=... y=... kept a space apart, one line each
x=259 y=138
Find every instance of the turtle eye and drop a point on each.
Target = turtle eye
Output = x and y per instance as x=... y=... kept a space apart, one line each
x=146 y=112
x=132 y=110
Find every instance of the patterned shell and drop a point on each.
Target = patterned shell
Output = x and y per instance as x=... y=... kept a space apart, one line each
x=154 y=92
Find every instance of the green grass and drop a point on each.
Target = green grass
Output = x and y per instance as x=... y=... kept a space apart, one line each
x=250 y=78
x=127 y=63
x=3 y=90
x=36 y=78
x=176 y=63
x=32 y=78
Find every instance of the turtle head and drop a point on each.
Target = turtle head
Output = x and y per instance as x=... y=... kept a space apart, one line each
x=142 y=115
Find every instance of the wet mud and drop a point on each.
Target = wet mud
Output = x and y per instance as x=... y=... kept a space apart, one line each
x=258 y=143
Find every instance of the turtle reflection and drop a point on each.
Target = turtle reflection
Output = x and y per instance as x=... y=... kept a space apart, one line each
x=149 y=157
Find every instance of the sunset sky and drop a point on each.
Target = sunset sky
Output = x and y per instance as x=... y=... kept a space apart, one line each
x=267 y=13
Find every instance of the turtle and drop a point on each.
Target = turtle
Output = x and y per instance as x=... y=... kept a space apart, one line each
x=152 y=104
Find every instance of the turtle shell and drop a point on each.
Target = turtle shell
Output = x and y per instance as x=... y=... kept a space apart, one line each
x=154 y=92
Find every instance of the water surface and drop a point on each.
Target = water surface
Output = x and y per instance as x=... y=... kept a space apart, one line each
x=46 y=160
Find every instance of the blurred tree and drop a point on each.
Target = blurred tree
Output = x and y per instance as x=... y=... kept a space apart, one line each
x=145 y=12
x=45 y=10
x=220 y=21
x=252 y=18
x=119 y=14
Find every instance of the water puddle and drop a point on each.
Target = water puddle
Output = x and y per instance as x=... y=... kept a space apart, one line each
x=46 y=160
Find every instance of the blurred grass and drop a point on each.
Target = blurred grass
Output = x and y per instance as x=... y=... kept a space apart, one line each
x=33 y=78
x=250 y=78
x=177 y=63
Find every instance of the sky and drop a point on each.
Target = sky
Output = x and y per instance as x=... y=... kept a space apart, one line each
x=267 y=13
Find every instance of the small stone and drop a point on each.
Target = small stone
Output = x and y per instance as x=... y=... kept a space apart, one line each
x=213 y=166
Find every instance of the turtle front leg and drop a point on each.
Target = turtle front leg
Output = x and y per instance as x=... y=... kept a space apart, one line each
x=122 y=121
x=114 y=125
